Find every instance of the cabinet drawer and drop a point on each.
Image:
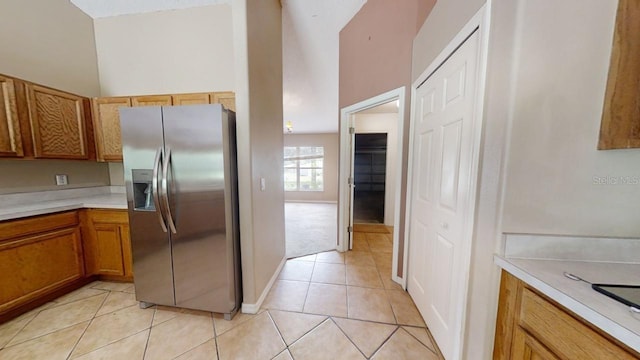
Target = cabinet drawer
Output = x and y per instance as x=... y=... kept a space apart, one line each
x=37 y=224
x=563 y=334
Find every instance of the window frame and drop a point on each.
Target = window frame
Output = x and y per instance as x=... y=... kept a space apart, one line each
x=297 y=159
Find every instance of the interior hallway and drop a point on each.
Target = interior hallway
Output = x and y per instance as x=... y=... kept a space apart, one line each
x=323 y=306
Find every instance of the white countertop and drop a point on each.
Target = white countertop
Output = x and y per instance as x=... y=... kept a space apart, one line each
x=547 y=276
x=14 y=206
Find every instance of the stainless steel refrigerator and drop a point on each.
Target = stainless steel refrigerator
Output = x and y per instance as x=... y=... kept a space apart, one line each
x=181 y=181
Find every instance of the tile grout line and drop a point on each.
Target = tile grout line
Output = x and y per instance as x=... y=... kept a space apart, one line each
x=347 y=336
x=19 y=331
x=146 y=344
x=385 y=341
x=425 y=345
x=51 y=332
x=89 y=324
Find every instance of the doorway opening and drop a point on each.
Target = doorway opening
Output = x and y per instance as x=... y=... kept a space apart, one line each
x=382 y=114
x=370 y=161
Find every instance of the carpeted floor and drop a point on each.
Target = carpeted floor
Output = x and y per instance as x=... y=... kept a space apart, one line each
x=310 y=228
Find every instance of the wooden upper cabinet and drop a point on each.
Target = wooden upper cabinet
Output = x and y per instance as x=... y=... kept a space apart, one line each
x=106 y=121
x=620 y=127
x=10 y=138
x=191 y=99
x=226 y=98
x=57 y=123
x=151 y=100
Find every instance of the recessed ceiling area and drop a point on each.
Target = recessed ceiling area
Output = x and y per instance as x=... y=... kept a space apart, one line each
x=310 y=43
x=106 y=8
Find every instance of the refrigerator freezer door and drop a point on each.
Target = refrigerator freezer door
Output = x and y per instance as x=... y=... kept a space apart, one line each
x=203 y=270
x=142 y=142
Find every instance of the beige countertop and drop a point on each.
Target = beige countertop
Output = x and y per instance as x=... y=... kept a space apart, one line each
x=14 y=206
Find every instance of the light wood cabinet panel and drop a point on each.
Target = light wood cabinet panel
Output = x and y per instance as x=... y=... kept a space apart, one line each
x=620 y=127
x=530 y=326
x=191 y=99
x=106 y=120
x=526 y=347
x=10 y=138
x=226 y=98
x=38 y=262
x=151 y=100
x=58 y=123
x=107 y=247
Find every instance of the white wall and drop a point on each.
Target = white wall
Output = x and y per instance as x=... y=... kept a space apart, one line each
x=331 y=144
x=177 y=51
x=384 y=123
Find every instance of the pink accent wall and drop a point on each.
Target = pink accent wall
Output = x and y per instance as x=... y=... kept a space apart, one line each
x=376 y=49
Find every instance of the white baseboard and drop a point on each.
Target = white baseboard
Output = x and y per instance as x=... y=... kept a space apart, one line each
x=254 y=308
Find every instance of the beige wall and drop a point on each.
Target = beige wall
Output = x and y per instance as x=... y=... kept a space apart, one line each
x=49 y=42
x=38 y=175
x=384 y=123
x=258 y=53
x=177 y=51
x=443 y=23
x=331 y=144
x=557 y=182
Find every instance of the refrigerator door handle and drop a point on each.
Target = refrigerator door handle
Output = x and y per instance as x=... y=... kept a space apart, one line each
x=154 y=186
x=165 y=190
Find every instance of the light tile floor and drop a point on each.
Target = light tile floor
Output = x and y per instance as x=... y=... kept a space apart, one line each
x=324 y=306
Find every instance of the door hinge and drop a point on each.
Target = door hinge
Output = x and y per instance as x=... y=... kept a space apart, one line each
x=350 y=181
x=352 y=130
x=349 y=228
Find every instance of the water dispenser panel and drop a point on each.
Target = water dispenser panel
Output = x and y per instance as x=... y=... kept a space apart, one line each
x=143 y=190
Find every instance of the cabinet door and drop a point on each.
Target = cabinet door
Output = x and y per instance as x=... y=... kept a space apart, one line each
x=108 y=250
x=620 y=127
x=151 y=100
x=57 y=121
x=10 y=139
x=226 y=98
x=107 y=127
x=107 y=246
x=526 y=347
x=191 y=99
x=127 y=254
x=36 y=265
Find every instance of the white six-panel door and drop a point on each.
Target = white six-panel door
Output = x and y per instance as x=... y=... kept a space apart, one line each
x=441 y=169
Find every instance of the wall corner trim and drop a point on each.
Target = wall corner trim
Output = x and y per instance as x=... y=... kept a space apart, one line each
x=254 y=308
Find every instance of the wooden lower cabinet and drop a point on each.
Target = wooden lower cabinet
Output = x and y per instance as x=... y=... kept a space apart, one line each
x=531 y=326
x=38 y=256
x=107 y=246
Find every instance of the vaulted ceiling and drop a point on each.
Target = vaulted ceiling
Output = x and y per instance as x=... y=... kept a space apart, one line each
x=310 y=30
